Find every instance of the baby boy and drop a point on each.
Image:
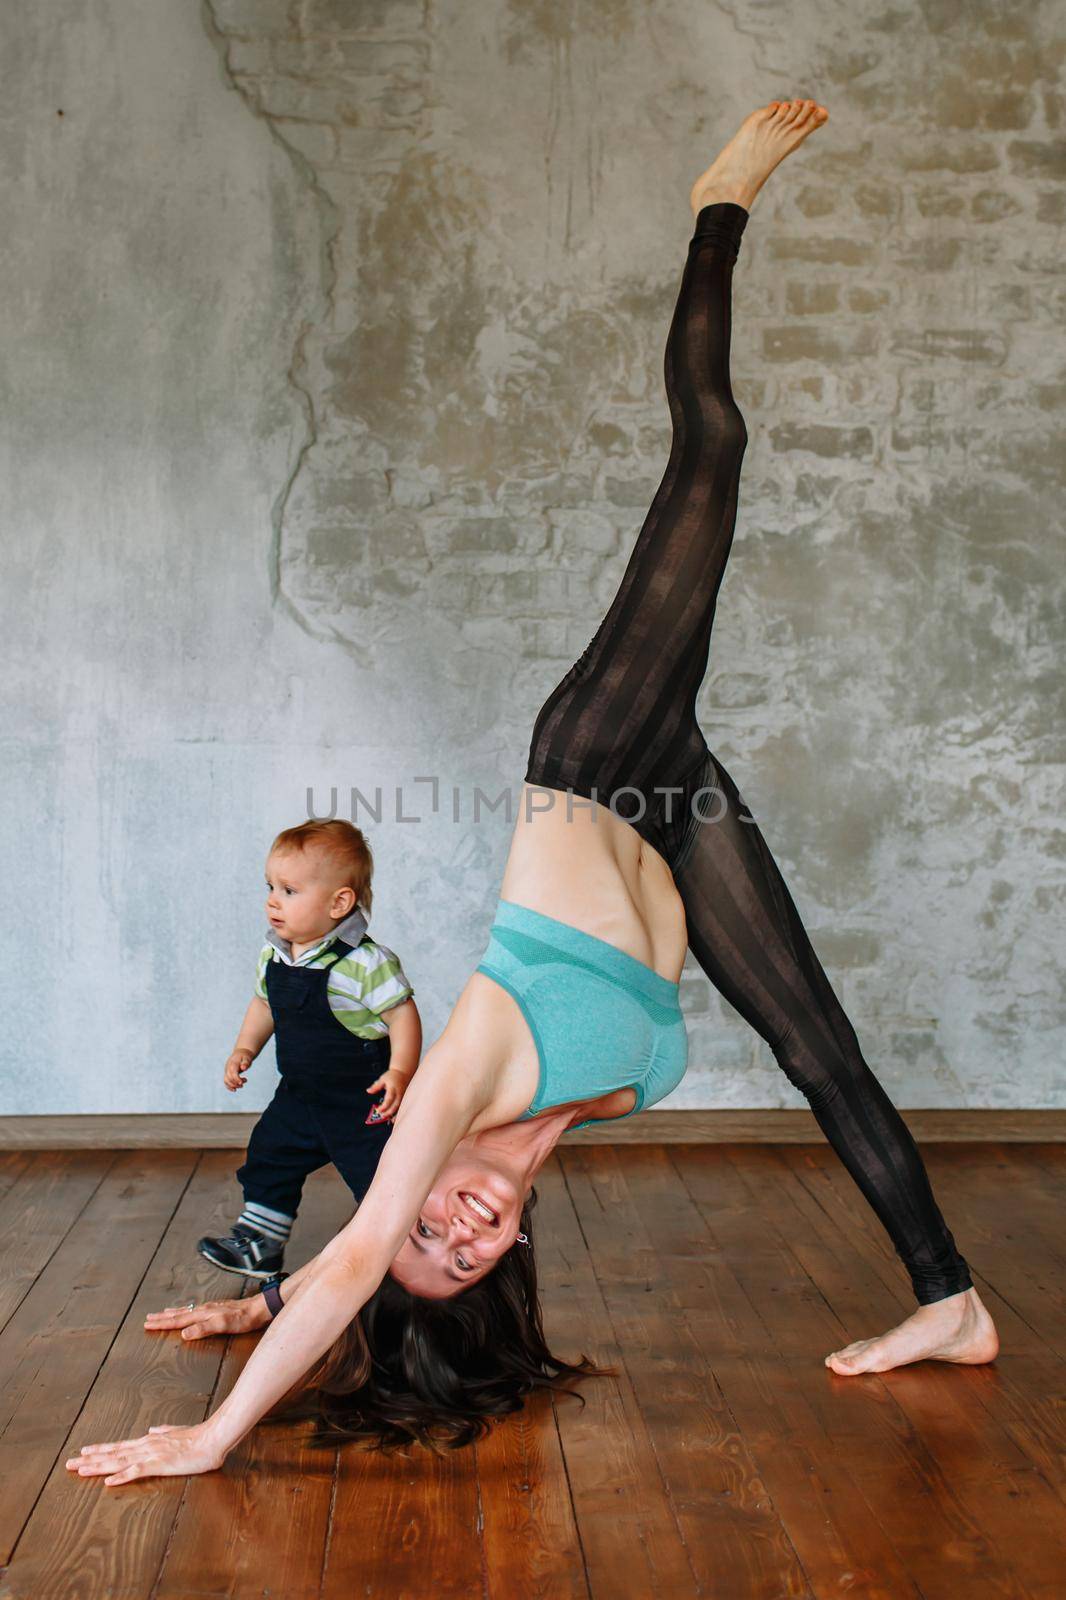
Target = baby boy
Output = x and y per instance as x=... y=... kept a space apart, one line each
x=339 y=1006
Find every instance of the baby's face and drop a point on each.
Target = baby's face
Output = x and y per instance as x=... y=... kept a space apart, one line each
x=304 y=895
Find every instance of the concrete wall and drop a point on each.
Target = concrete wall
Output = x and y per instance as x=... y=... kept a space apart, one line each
x=334 y=401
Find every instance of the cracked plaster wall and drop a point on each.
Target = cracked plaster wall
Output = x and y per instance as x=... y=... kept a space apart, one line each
x=337 y=400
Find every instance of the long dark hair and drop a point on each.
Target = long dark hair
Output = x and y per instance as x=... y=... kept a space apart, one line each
x=439 y=1372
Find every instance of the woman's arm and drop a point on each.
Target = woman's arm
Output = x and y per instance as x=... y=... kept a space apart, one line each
x=246 y=1315
x=437 y=1112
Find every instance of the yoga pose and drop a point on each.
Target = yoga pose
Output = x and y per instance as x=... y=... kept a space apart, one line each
x=632 y=844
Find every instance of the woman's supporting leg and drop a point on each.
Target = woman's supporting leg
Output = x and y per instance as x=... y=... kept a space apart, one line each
x=745 y=931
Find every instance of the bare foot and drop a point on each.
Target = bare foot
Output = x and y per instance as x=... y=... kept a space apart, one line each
x=763 y=139
x=956 y=1329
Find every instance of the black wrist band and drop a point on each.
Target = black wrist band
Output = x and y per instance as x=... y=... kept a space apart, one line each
x=272 y=1295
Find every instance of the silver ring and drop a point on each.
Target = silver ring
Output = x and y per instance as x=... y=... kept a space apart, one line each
x=191 y=1306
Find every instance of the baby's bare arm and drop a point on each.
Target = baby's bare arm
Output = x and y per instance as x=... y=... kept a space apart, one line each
x=405 y=1035
x=256 y=1028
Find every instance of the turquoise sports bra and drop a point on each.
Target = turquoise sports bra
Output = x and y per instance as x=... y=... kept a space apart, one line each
x=601 y=1020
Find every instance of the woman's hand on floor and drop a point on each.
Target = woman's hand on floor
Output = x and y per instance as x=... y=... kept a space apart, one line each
x=214 y=1316
x=163 y=1452
x=169 y=1451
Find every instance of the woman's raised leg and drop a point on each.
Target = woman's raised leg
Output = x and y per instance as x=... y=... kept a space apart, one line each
x=621 y=725
x=624 y=716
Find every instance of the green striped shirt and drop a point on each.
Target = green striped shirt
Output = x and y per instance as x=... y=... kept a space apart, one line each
x=361 y=986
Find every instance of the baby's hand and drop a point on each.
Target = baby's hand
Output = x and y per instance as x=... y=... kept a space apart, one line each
x=236 y=1067
x=394 y=1085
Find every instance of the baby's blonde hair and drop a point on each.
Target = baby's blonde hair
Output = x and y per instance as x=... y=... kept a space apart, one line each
x=343 y=845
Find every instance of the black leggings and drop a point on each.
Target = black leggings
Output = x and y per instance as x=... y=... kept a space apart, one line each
x=621 y=728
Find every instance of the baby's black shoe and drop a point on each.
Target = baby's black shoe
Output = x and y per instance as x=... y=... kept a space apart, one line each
x=246 y=1251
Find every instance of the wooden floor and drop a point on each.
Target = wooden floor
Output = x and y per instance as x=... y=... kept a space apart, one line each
x=725 y=1459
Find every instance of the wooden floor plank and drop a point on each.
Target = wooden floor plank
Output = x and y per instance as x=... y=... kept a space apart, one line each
x=829 y=1188
x=732 y=1529
x=1025 y=1390
x=259 y=1525
x=1006 y=1186
x=1043 y=1173
x=836 y=1533
x=53 y=1346
x=13 y=1163
x=630 y=1537
x=530 y=1537
x=829 y=1424
x=38 y=1211
x=532 y=1545
x=975 y=1465
x=937 y=1541
x=85 y=1542
x=400 y=1521
x=985 y=1231
x=1051 y=1158
x=398 y=1518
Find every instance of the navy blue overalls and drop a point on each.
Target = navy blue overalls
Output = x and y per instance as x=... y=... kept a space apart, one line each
x=318 y=1113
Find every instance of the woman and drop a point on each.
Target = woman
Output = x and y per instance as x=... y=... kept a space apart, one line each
x=632 y=845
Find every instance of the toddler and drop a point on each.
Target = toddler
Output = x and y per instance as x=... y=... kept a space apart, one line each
x=345 y=1026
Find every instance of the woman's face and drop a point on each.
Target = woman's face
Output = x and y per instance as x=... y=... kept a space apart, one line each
x=469 y=1219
